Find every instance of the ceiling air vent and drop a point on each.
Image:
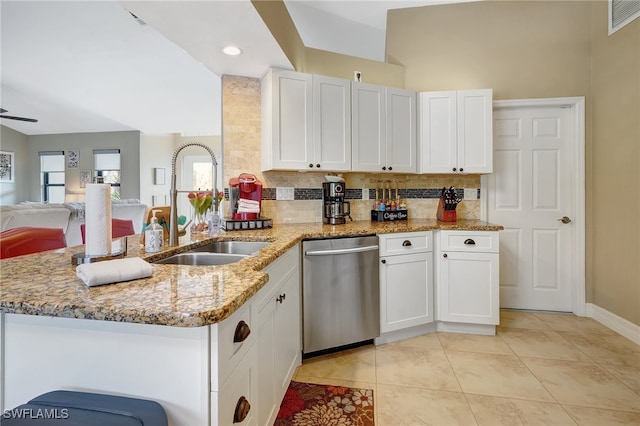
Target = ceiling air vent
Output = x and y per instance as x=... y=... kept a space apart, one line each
x=140 y=21
x=621 y=12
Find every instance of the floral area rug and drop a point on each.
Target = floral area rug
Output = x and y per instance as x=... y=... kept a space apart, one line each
x=315 y=405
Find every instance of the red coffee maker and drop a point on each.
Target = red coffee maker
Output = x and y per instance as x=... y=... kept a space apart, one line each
x=245 y=197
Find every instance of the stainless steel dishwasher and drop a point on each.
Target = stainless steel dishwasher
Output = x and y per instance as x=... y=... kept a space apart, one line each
x=341 y=292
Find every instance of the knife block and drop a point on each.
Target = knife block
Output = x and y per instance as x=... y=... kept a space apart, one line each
x=445 y=215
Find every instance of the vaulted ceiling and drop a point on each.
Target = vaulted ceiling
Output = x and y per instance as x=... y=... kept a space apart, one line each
x=155 y=66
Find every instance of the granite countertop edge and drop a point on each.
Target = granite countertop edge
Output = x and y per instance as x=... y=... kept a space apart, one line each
x=178 y=296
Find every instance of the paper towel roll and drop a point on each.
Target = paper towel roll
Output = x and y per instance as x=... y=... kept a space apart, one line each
x=98 y=220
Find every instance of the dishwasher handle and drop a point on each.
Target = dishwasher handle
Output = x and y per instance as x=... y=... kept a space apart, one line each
x=340 y=251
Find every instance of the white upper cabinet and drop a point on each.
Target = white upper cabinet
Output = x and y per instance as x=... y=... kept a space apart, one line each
x=401 y=130
x=456 y=132
x=306 y=122
x=331 y=124
x=369 y=127
x=384 y=129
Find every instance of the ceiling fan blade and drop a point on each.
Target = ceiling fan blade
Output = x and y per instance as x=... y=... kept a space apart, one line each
x=10 y=117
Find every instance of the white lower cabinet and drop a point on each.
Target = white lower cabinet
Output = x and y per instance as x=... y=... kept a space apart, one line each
x=277 y=311
x=468 y=284
x=406 y=280
x=234 y=372
x=236 y=402
x=438 y=281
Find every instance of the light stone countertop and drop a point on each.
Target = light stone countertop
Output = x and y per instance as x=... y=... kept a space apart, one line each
x=175 y=295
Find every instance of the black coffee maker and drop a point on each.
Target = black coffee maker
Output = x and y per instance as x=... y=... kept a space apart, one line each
x=335 y=209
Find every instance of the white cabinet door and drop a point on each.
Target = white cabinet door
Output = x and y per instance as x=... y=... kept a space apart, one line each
x=475 y=131
x=268 y=403
x=401 y=130
x=438 y=143
x=369 y=127
x=456 y=132
x=406 y=291
x=279 y=341
x=331 y=124
x=287 y=136
x=237 y=401
x=288 y=349
x=468 y=290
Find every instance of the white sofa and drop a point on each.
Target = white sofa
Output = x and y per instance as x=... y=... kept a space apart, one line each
x=67 y=216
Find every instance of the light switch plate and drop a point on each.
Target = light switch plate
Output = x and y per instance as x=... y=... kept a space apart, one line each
x=365 y=193
x=285 y=193
x=470 y=193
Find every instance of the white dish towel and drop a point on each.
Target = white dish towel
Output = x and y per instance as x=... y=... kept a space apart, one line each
x=113 y=271
x=248 y=206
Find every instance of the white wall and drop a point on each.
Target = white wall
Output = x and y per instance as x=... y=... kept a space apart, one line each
x=156 y=152
x=16 y=142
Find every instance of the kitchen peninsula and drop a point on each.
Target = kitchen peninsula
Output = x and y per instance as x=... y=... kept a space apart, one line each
x=160 y=337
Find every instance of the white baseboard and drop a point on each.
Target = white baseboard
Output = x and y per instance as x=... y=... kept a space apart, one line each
x=614 y=322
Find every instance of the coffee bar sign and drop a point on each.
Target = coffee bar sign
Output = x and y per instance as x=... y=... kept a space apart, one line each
x=389 y=215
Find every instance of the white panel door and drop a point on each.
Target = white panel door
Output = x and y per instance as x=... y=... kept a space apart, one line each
x=529 y=193
x=406 y=291
x=292 y=120
x=401 y=130
x=475 y=138
x=438 y=132
x=368 y=127
x=331 y=124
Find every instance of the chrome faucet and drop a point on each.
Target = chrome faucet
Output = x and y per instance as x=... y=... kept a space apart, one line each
x=173 y=214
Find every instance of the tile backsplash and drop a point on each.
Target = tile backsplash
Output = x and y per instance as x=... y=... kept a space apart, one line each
x=241 y=136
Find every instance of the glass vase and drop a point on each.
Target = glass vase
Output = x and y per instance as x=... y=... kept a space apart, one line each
x=199 y=222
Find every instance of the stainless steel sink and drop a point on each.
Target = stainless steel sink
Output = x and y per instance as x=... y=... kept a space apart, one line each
x=232 y=247
x=201 y=259
x=216 y=253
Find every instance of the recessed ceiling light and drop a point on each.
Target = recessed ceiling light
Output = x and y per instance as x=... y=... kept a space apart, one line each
x=232 y=50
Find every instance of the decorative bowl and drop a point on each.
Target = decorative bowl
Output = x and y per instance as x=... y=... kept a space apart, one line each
x=331 y=178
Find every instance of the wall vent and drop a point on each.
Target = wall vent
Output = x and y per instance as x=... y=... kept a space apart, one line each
x=622 y=12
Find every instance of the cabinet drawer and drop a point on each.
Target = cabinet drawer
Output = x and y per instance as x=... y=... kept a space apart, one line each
x=229 y=343
x=237 y=401
x=472 y=241
x=405 y=243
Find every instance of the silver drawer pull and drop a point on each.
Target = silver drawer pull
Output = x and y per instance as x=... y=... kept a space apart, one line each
x=469 y=242
x=406 y=243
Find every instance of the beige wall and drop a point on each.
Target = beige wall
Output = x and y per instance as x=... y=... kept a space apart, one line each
x=549 y=49
x=615 y=167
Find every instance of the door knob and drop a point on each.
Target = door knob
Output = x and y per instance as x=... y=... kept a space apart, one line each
x=565 y=219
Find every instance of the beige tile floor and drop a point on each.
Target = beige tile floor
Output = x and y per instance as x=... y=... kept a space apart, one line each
x=540 y=369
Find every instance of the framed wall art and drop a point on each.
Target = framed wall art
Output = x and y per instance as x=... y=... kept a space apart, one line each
x=7 y=166
x=73 y=159
x=158 y=176
x=85 y=178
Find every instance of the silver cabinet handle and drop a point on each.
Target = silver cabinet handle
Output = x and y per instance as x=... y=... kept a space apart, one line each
x=564 y=220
